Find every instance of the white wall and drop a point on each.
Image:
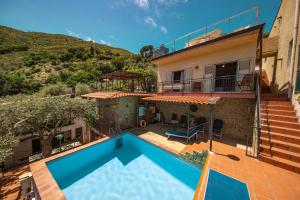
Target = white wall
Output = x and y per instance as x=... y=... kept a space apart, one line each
x=245 y=51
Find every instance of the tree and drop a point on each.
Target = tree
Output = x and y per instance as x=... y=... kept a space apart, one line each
x=146 y=51
x=44 y=117
x=6 y=143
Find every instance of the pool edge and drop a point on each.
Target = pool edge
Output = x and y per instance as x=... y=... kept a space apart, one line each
x=47 y=188
x=201 y=182
x=44 y=183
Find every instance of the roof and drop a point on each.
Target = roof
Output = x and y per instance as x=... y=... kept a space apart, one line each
x=112 y=95
x=255 y=28
x=270 y=45
x=121 y=75
x=182 y=99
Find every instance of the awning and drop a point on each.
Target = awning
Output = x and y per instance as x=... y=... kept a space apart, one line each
x=112 y=95
x=183 y=99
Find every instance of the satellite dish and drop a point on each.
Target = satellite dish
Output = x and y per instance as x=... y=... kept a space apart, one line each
x=193 y=107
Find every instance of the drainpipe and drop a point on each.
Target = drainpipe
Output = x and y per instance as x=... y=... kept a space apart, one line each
x=295 y=32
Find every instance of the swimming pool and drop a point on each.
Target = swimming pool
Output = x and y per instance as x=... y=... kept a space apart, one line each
x=220 y=186
x=125 y=167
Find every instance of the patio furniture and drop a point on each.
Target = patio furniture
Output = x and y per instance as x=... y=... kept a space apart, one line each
x=246 y=83
x=187 y=135
x=183 y=121
x=164 y=120
x=218 y=128
x=197 y=86
x=201 y=122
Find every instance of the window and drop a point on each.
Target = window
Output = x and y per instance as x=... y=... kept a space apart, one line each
x=244 y=66
x=78 y=132
x=290 y=53
x=68 y=136
x=178 y=76
x=297 y=87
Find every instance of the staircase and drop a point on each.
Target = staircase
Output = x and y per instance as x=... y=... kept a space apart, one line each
x=280 y=133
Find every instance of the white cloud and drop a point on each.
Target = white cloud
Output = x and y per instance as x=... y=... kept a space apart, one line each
x=171 y=2
x=142 y=3
x=89 y=39
x=150 y=21
x=163 y=29
x=105 y=42
x=71 y=33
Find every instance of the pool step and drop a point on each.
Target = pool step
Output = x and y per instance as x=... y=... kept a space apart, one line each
x=118 y=143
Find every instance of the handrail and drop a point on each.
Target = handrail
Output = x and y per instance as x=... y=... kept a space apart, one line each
x=229 y=83
x=188 y=37
x=258 y=102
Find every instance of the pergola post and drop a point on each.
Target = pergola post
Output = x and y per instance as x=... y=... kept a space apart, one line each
x=212 y=102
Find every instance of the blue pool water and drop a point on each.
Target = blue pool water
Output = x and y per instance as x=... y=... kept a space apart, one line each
x=220 y=186
x=135 y=170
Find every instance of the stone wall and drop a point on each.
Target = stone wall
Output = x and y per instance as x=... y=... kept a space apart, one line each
x=122 y=111
x=237 y=115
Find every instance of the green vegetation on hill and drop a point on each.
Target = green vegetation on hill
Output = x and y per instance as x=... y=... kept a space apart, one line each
x=30 y=61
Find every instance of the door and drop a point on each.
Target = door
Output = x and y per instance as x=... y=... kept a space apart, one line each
x=36 y=146
x=209 y=82
x=225 y=78
x=188 y=79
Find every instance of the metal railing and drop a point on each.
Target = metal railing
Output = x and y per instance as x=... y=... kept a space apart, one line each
x=231 y=83
x=237 y=22
x=258 y=113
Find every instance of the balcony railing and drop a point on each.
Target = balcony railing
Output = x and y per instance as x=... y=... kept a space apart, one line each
x=242 y=20
x=232 y=83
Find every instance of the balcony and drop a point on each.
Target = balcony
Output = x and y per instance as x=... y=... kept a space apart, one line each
x=223 y=28
x=223 y=84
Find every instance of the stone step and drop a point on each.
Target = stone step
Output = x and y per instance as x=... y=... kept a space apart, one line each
x=276 y=102
x=291 y=113
x=279 y=117
x=285 y=124
x=280 y=162
x=282 y=130
x=281 y=137
x=280 y=144
x=277 y=107
x=281 y=153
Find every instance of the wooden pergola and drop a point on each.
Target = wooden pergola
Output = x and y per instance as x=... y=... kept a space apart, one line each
x=114 y=79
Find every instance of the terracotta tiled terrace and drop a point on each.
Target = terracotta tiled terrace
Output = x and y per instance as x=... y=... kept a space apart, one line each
x=264 y=181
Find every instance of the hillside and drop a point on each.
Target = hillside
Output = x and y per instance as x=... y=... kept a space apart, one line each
x=31 y=60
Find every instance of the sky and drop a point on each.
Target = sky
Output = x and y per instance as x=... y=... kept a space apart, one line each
x=129 y=24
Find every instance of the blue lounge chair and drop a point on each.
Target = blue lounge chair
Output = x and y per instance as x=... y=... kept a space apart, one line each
x=187 y=135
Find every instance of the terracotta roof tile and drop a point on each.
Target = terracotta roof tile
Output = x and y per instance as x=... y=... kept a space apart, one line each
x=181 y=99
x=113 y=95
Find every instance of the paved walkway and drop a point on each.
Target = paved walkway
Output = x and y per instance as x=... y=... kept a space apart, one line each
x=9 y=183
x=264 y=181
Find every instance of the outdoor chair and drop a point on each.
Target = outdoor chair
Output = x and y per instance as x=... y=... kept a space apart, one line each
x=183 y=121
x=197 y=86
x=164 y=120
x=246 y=83
x=218 y=128
x=201 y=122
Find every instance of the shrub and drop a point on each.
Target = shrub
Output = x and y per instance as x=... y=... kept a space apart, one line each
x=196 y=158
x=81 y=89
x=35 y=58
x=55 y=90
x=52 y=79
x=12 y=48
